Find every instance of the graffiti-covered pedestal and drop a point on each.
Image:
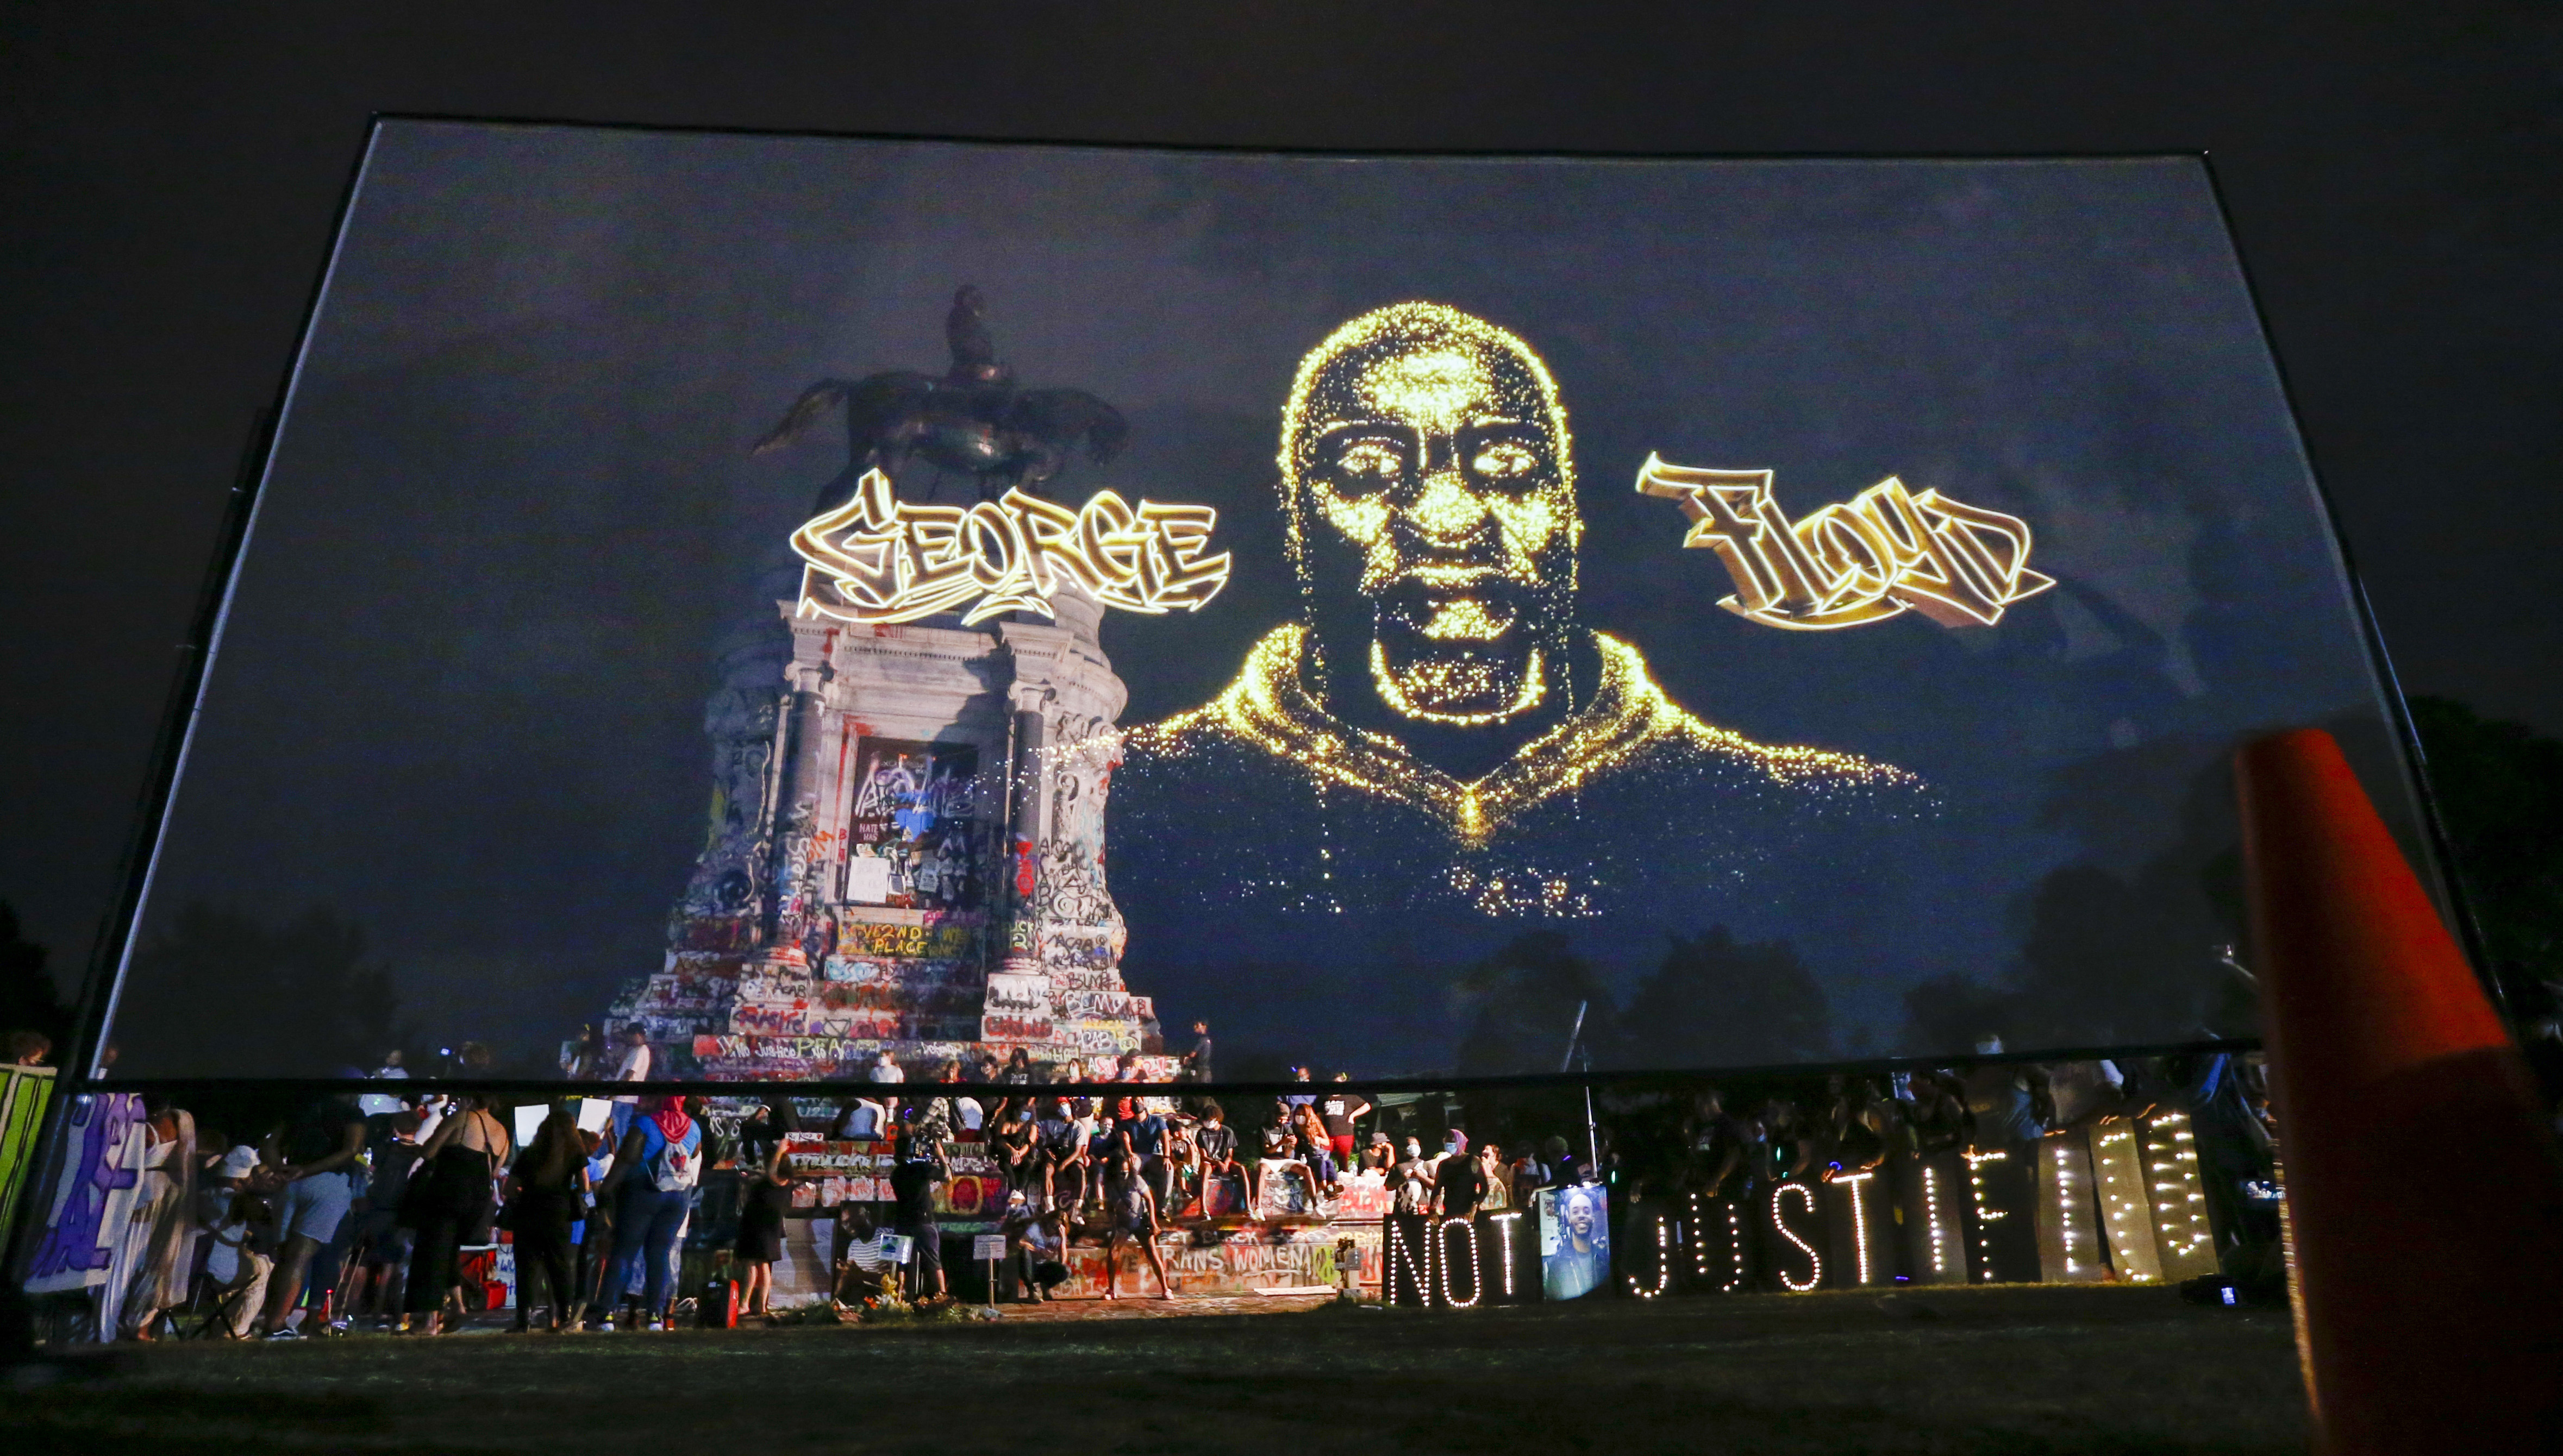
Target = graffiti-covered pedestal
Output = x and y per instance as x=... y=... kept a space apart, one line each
x=906 y=853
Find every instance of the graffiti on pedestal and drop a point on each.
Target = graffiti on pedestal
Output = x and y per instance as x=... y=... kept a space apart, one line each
x=913 y=841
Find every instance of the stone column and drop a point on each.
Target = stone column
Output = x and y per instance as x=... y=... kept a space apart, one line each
x=1023 y=815
x=796 y=806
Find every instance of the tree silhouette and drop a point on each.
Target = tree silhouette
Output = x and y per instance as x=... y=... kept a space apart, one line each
x=2499 y=789
x=28 y=999
x=217 y=993
x=1522 y=1002
x=1715 y=1002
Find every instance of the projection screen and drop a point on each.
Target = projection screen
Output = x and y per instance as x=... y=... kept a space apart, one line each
x=813 y=598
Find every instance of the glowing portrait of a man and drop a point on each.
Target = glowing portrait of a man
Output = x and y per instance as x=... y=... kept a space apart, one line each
x=1439 y=723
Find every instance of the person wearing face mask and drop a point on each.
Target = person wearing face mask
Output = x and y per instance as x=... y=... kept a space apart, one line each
x=1459 y=1182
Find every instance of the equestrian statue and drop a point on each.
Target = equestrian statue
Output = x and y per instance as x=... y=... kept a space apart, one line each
x=974 y=421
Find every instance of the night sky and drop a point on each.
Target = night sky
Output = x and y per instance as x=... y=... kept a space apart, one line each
x=2390 y=185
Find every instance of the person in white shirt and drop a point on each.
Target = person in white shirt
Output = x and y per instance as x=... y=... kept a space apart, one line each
x=886 y=1069
x=634 y=1068
x=860 y=1122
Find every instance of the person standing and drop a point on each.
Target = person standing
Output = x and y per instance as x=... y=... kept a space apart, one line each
x=654 y=1168
x=316 y=1153
x=913 y=1184
x=633 y=1067
x=1338 y=1110
x=760 y=1227
x=1197 y=1066
x=1133 y=1209
x=1498 y=1195
x=546 y=1191
x=1459 y=1183
x=382 y=1246
x=450 y=1202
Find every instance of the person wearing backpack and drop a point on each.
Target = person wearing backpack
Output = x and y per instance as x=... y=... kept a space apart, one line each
x=655 y=1170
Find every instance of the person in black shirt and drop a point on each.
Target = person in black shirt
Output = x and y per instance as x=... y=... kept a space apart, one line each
x=1197 y=1061
x=1460 y=1184
x=1016 y=1141
x=318 y=1152
x=913 y=1183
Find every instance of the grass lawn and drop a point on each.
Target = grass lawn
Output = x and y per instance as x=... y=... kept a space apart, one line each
x=2104 y=1370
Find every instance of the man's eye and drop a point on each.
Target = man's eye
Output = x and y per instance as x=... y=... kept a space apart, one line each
x=1504 y=461
x=1371 y=460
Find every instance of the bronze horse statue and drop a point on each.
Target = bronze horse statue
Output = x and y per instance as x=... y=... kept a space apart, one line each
x=974 y=420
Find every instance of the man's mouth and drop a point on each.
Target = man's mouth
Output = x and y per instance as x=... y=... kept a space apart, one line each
x=1477 y=609
x=1465 y=620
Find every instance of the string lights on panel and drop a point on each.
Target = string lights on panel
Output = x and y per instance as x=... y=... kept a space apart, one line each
x=1935 y=1224
x=1441 y=1252
x=2124 y=1209
x=1986 y=1213
x=1814 y=1261
x=1664 y=1264
x=1855 y=1184
x=1502 y=1224
x=2077 y=1238
x=1734 y=1279
x=2178 y=1197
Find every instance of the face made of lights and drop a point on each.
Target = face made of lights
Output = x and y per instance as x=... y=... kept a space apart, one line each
x=1428 y=471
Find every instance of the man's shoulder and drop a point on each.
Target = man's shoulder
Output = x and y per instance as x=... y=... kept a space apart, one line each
x=1661 y=737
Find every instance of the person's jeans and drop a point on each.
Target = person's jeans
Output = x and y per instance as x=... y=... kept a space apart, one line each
x=644 y=1238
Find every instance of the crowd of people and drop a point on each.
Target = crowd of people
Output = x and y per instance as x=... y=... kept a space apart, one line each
x=362 y=1211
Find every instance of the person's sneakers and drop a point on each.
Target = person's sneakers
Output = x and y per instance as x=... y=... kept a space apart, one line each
x=287 y=1334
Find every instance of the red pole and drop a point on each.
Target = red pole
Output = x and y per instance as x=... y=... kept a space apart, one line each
x=2424 y=1186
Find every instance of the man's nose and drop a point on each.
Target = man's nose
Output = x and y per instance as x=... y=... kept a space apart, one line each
x=1443 y=509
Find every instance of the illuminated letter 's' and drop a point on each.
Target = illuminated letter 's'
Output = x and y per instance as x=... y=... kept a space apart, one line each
x=1814 y=1261
x=880 y=560
x=1851 y=565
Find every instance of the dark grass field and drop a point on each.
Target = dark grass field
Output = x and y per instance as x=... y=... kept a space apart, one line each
x=2105 y=1370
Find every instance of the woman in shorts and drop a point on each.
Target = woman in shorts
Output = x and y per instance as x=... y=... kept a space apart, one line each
x=1132 y=1209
